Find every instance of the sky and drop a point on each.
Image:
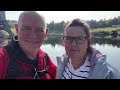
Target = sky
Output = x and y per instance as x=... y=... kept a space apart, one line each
x=59 y=16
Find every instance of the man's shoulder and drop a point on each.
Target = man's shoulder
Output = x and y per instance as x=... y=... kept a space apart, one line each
x=43 y=53
x=4 y=57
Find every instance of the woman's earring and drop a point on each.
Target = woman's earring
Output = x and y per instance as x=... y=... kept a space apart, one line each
x=15 y=38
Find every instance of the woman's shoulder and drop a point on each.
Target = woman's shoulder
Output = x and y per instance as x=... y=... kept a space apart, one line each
x=62 y=59
x=96 y=57
x=113 y=72
x=106 y=70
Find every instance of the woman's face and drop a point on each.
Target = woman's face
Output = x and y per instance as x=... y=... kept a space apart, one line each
x=77 y=47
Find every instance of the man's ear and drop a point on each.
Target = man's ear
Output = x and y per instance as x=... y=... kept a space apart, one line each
x=61 y=41
x=46 y=31
x=16 y=28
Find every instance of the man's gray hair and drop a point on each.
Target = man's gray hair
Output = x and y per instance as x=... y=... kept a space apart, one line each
x=33 y=13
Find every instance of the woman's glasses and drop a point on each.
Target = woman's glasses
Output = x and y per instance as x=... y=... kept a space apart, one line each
x=79 y=40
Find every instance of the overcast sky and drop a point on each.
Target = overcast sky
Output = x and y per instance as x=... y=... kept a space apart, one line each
x=59 y=16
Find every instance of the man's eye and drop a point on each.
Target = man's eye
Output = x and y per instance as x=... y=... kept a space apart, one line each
x=39 y=30
x=25 y=29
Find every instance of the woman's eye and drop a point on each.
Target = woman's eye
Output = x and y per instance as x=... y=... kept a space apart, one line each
x=68 y=38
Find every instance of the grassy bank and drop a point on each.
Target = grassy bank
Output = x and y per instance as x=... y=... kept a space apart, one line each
x=109 y=29
x=13 y=31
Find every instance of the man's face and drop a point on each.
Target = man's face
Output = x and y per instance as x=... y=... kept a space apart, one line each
x=31 y=33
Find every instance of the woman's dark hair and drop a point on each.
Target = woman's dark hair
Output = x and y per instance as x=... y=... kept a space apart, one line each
x=81 y=23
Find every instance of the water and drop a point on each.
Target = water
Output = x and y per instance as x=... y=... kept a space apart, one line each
x=108 y=46
x=57 y=50
x=113 y=53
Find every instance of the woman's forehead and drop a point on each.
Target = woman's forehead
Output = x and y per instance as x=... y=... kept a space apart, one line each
x=75 y=31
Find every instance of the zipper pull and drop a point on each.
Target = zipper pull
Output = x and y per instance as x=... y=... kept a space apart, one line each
x=36 y=74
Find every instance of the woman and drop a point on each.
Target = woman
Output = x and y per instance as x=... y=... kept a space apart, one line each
x=82 y=61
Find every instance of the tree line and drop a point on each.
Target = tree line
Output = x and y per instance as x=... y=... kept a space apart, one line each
x=103 y=23
x=59 y=26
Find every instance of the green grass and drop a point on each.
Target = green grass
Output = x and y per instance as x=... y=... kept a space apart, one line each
x=13 y=31
x=109 y=29
x=102 y=37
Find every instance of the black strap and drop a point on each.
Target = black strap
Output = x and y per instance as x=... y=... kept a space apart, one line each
x=46 y=58
x=12 y=69
x=12 y=66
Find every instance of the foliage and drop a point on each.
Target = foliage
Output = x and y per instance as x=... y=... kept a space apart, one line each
x=100 y=25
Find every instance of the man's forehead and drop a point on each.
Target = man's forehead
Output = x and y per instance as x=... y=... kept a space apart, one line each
x=31 y=16
x=31 y=25
x=31 y=19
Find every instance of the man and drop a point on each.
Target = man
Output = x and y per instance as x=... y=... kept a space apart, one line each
x=22 y=58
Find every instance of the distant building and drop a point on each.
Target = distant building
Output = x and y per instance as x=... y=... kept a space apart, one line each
x=116 y=26
x=2 y=19
x=2 y=15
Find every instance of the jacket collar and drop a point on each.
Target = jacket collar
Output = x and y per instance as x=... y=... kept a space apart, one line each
x=98 y=63
x=19 y=55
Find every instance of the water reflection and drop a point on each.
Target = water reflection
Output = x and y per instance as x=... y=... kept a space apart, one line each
x=53 y=40
x=108 y=46
x=115 y=42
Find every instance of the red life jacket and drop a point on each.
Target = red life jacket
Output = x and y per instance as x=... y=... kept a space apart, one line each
x=12 y=68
